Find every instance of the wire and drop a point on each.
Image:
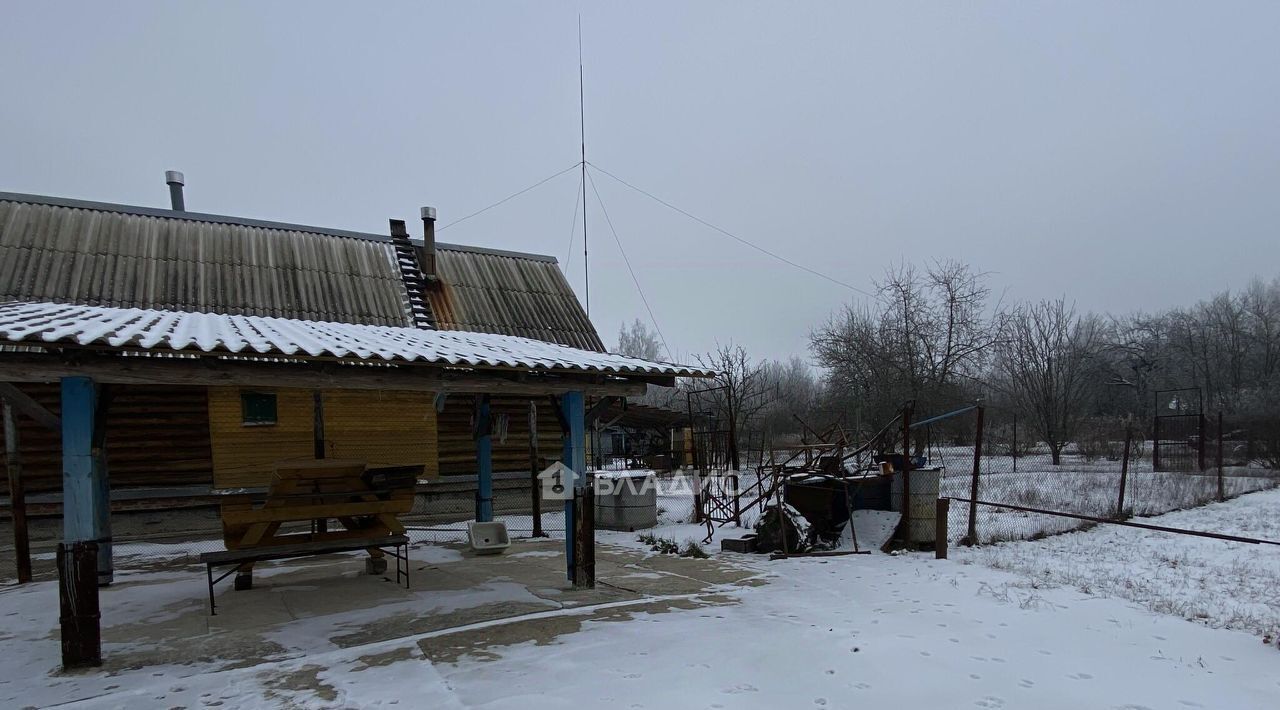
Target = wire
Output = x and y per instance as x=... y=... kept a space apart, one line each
x=512 y=196
x=627 y=261
x=573 y=229
x=735 y=237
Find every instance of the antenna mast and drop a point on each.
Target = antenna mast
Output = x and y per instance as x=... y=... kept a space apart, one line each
x=582 y=129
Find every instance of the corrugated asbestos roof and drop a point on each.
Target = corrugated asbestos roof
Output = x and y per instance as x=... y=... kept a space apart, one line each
x=513 y=294
x=92 y=253
x=159 y=331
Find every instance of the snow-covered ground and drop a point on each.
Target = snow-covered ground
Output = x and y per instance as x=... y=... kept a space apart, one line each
x=1092 y=619
x=1221 y=584
x=858 y=631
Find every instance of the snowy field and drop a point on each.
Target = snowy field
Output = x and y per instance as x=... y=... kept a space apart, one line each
x=1077 y=485
x=1220 y=584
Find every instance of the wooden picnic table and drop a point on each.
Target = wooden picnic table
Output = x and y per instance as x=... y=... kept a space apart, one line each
x=366 y=500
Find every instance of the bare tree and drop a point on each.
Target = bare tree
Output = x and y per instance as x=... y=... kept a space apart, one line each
x=636 y=340
x=1047 y=361
x=926 y=333
x=738 y=393
x=792 y=394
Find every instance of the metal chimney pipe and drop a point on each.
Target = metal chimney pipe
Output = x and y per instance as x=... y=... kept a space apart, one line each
x=176 y=181
x=428 y=261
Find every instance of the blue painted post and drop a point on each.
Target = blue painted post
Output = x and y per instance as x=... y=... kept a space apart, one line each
x=484 y=461
x=574 y=455
x=86 y=503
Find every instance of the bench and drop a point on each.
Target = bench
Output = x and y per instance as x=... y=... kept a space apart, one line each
x=366 y=501
x=395 y=545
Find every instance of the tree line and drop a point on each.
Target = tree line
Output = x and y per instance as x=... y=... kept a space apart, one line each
x=936 y=336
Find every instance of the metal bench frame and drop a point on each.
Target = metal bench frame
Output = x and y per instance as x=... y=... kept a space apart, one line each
x=395 y=545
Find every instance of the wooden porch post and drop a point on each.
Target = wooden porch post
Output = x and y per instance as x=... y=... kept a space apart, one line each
x=484 y=460
x=84 y=510
x=574 y=455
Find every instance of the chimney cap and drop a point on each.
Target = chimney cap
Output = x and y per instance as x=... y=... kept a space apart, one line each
x=174 y=177
x=428 y=212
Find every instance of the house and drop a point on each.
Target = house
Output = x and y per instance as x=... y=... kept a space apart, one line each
x=55 y=250
x=177 y=348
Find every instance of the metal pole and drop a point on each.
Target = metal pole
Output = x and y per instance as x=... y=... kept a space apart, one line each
x=942 y=509
x=1201 y=443
x=535 y=467
x=484 y=460
x=906 y=471
x=695 y=460
x=17 y=495
x=1124 y=471
x=1222 y=486
x=972 y=533
x=574 y=456
x=1155 y=444
x=1015 y=442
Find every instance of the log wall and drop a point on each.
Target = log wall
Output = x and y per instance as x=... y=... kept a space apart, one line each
x=457 y=446
x=157 y=435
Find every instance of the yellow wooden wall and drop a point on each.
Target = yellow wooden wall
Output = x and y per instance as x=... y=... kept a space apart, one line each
x=381 y=427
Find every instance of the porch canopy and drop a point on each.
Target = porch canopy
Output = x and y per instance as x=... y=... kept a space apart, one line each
x=131 y=345
x=84 y=346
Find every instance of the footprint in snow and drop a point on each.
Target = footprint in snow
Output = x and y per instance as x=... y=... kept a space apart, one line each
x=990 y=701
x=1080 y=676
x=740 y=688
x=1026 y=683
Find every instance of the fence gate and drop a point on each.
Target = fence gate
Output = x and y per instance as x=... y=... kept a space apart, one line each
x=1178 y=431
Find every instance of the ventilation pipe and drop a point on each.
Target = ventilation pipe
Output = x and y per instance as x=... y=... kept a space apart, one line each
x=428 y=261
x=176 y=181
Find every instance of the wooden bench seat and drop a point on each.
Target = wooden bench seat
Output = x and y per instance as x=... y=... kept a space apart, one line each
x=396 y=545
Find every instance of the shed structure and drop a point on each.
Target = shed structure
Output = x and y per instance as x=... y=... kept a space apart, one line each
x=179 y=348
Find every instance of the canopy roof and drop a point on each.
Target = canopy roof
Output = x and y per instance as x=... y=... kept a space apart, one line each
x=31 y=323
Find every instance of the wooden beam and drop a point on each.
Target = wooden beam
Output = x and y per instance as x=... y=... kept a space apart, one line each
x=17 y=495
x=599 y=408
x=25 y=367
x=23 y=404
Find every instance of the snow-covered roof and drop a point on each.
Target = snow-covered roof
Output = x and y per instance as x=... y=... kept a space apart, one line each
x=32 y=323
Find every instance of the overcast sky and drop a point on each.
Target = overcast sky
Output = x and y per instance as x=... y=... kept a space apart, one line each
x=1122 y=154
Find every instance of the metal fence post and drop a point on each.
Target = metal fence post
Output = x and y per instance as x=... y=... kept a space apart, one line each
x=941 y=511
x=1124 y=471
x=906 y=472
x=1222 y=486
x=1201 y=442
x=1155 y=444
x=1015 y=442
x=972 y=533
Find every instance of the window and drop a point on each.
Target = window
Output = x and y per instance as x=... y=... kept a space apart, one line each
x=257 y=408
